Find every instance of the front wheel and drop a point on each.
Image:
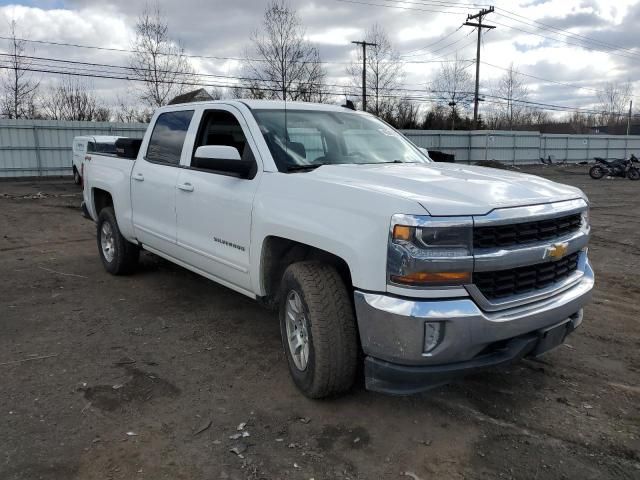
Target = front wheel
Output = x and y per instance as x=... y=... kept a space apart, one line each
x=596 y=172
x=118 y=255
x=633 y=174
x=77 y=179
x=318 y=329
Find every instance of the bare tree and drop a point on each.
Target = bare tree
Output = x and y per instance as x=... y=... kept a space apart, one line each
x=18 y=87
x=407 y=114
x=511 y=92
x=129 y=111
x=158 y=61
x=72 y=99
x=384 y=71
x=453 y=87
x=614 y=102
x=581 y=122
x=282 y=64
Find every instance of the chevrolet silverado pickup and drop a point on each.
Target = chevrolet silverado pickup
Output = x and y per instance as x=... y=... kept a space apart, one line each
x=369 y=251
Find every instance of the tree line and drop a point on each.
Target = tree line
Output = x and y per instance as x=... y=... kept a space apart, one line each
x=281 y=63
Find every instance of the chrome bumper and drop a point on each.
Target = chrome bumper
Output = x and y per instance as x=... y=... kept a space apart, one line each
x=392 y=329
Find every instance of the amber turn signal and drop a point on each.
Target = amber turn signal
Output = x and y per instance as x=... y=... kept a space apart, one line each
x=402 y=232
x=433 y=278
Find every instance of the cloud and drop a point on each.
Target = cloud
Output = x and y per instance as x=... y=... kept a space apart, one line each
x=223 y=28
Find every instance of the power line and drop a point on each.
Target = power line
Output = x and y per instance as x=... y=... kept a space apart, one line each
x=586 y=47
x=557 y=82
x=411 y=53
x=38 y=61
x=422 y=98
x=512 y=27
x=454 y=52
x=444 y=3
x=118 y=75
x=122 y=50
x=563 y=32
x=95 y=73
x=527 y=21
x=399 y=7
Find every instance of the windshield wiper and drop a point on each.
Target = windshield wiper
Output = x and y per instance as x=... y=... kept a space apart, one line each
x=383 y=163
x=302 y=168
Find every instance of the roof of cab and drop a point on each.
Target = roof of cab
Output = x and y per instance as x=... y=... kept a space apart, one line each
x=265 y=105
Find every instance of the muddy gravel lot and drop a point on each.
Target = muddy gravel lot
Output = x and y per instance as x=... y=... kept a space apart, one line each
x=161 y=374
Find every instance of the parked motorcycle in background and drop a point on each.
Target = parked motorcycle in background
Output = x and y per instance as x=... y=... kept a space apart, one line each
x=626 y=168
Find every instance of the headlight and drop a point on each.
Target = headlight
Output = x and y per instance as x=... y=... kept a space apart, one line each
x=430 y=251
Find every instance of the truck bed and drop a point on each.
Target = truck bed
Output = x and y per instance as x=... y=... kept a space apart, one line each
x=111 y=174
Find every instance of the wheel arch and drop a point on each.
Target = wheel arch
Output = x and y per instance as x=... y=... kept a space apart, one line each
x=101 y=199
x=278 y=253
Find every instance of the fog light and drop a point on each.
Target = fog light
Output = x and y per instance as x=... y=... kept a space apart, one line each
x=433 y=333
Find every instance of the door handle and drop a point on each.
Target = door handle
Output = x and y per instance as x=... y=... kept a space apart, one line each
x=138 y=176
x=185 y=187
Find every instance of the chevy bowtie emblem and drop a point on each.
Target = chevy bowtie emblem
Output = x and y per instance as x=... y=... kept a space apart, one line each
x=556 y=251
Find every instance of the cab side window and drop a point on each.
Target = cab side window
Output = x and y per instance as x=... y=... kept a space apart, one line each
x=222 y=128
x=167 y=138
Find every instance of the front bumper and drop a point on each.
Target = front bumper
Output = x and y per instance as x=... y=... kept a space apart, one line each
x=392 y=333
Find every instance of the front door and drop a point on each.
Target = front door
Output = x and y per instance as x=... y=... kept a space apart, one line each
x=213 y=208
x=153 y=182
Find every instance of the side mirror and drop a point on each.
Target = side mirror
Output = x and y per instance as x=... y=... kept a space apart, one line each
x=425 y=152
x=221 y=158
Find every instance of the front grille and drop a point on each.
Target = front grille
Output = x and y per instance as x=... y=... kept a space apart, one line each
x=505 y=283
x=522 y=233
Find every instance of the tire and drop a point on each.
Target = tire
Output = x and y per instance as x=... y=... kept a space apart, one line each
x=633 y=174
x=77 y=179
x=596 y=172
x=119 y=256
x=329 y=327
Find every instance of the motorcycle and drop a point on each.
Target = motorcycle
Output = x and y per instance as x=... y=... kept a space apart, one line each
x=615 y=168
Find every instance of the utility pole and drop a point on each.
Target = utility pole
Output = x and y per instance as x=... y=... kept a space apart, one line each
x=629 y=117
x=480 y=15
x=364 y=44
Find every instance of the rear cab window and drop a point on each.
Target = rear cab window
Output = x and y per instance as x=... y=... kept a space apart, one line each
x=167 y=138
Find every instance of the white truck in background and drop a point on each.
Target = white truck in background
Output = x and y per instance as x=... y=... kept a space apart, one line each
x=84 y=146
x=369 y=251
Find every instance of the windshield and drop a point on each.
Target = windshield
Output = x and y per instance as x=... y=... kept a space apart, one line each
x=299 y=139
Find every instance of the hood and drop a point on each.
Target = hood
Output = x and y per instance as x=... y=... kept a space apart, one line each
x=449 y=189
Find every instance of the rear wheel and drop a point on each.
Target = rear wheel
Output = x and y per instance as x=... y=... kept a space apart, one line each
x=318 y=329
x=119 y=256
x=633 y=174
x=596 y=172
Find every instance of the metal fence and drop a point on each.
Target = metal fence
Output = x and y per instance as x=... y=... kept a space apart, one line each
x=521 y=148
x=43 y=147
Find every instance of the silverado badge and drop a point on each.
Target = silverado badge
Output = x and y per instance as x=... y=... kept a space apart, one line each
x=556 y=251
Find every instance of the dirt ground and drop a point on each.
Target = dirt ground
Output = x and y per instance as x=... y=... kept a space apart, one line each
x=148 y=376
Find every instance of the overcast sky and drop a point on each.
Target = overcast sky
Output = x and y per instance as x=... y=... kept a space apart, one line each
x=222 y=28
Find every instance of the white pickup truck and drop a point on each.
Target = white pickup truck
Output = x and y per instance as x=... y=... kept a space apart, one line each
x=371 y=252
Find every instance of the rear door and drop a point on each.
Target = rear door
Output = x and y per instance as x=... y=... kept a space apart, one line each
x=153 y=181
x=213 y=208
